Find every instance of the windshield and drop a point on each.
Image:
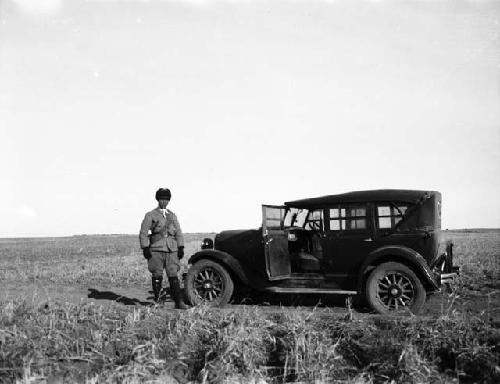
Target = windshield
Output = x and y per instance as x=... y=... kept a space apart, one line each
x=295 y=217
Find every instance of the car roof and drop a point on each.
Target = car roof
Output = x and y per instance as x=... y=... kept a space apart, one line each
x=382 y=195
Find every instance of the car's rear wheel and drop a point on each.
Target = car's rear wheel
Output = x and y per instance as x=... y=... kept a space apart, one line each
x=210 y=283
x=393 y=287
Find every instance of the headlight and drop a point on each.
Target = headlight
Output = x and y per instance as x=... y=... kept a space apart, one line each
x=207 y=243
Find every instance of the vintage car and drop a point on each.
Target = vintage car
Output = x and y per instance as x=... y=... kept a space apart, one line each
x=383 y=245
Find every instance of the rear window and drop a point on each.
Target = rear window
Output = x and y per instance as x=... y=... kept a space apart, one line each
x=389 y=215
x=348 y=218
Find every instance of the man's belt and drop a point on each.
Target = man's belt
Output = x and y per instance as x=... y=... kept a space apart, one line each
x=153 y=238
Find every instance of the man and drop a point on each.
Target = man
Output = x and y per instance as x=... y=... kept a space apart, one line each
x=162 y=244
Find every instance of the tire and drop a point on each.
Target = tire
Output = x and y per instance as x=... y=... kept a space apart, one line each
x=394 y=288
x=208 y=282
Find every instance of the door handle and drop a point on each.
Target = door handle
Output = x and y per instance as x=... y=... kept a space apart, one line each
x=368 y=239
x=268 y=241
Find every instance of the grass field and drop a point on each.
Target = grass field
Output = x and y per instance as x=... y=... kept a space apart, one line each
x=115 y=260
x=64 y=342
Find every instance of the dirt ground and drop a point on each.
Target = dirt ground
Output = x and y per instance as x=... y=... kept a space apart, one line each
x=437 y=304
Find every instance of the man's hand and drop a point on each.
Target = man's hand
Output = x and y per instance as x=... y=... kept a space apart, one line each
x=180 y=252
x=146 y=253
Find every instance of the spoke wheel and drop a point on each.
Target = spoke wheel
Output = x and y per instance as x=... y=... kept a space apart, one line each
x=395 y=290
x=209 y=282
x=394 y=287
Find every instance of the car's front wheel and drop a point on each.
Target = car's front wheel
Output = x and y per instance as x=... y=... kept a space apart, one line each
x=394 y=287
x=210 y=283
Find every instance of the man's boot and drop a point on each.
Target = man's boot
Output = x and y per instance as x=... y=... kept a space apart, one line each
x=156 y=282
x=176 y=293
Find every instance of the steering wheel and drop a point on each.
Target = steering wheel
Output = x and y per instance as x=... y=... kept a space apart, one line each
x=315 y=225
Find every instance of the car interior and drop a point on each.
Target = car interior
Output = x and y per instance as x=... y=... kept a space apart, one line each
x=304 y=240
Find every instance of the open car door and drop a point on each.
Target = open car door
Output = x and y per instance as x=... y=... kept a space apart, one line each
x=276 y=242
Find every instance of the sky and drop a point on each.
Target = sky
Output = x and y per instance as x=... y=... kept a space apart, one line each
x=233 y=104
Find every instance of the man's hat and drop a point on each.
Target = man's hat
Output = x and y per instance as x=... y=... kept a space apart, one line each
x=163 y=194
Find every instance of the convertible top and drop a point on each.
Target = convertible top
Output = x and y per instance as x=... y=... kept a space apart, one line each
x=382 y=195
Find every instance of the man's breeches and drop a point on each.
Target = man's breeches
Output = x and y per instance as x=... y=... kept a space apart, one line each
x=160 y=260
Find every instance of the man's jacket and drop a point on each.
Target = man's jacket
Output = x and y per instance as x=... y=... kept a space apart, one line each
x=161 y=233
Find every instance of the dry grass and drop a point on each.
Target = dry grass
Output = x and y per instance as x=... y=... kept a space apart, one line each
x=110 y=260
x=88 y=343
x=478 y=254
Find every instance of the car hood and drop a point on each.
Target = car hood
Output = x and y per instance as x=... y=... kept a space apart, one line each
x=228 y=241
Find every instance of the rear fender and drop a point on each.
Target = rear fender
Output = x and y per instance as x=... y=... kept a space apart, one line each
x=401 y=254
x=225 y=259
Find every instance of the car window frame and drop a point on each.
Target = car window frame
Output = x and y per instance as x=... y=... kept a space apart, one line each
x=349 y=232
x=310 y=211
x=394 y=207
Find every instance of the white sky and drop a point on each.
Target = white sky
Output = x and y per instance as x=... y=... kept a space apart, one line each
x=232 y=104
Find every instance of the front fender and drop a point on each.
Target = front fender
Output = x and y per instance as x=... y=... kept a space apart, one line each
x=398 y=253
x=223 y=258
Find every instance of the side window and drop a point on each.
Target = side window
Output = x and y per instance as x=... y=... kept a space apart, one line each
x=314 y=220
x=348 y=218
x=388 y=216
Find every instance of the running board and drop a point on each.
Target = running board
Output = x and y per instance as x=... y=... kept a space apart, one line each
x=310 y=290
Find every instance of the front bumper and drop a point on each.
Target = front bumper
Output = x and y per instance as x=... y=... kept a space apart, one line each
x=447 y=278
x=443 y=267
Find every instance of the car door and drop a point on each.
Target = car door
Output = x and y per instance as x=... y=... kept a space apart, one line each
x=349 y=238
x=275 y=242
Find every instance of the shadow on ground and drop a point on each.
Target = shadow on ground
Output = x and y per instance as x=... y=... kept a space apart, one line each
x=108 y=295
x=303 y=300
x=251 y=298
